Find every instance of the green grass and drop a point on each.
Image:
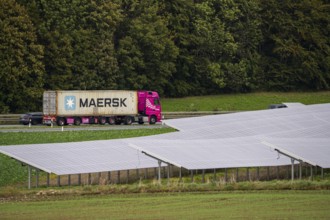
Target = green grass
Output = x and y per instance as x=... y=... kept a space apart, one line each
x=242 y=102
x=14 y=138
x=212 y=205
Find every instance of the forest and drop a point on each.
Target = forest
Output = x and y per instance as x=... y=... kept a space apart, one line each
x=176 y=47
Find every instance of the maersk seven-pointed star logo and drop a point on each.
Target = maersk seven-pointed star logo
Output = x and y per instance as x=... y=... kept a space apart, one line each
x=70 y=102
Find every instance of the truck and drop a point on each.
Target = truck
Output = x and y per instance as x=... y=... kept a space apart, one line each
x=100 y=107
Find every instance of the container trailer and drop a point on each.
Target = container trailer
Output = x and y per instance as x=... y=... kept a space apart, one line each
x=101 y=107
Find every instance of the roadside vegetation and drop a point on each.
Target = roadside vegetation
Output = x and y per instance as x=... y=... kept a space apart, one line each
x=242 y=102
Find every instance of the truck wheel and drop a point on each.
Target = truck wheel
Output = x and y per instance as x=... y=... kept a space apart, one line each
x=102 y=120
x=111 y=121
x=141 y=122
x=61 y=121
x=153 y=120
x=77 y=121
x=128 y=120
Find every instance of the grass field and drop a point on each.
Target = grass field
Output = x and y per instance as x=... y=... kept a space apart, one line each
x=242 y=102
x=214 y=205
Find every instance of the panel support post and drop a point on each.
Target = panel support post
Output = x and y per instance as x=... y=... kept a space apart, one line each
x=292 y=169
x=109 y=177
x=168 y=172
x=247 y=174
x=258 y=174
x=312 y=172
x=159 y=171
x=214 y=175
x=180 y=174
x=37 y=178
x=237 y=175
x=89 y=179
x=29 y=177
x=268 y=176
x=137 y=174
x=300 y=170
x=79 y=179
x=69 y=180
x=203 y=176
x=322 y=174
x=192 y=175
x=226 y=175
x=58 y=180
x=48 y=179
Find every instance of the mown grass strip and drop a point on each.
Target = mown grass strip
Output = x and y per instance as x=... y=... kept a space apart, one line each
x=15 y=138
x=213 y=205
x=242 y=102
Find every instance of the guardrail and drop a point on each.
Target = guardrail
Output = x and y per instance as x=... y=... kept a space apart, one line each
x=11 y=119
x=174 y=115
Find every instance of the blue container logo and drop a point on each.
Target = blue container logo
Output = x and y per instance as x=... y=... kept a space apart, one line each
x=70 y=103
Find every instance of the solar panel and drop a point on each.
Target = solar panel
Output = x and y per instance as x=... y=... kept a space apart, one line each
x=315 y=151
x=211 y=154
x=80 y=157
x=257 y=123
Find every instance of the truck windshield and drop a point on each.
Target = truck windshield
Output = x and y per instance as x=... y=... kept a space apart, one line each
x=156 y=101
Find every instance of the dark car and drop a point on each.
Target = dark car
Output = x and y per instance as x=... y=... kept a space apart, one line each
x=33 y=117
x=273 y=106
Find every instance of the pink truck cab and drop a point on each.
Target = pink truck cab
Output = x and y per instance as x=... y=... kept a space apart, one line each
x=149 y=106
x=101 y=107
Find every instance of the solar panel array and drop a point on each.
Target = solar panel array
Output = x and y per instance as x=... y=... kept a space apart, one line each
x=245 y=139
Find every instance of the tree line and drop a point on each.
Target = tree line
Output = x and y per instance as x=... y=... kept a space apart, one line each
x=176 y=47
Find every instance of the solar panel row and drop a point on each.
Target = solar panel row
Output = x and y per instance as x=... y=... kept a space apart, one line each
x=245 y=139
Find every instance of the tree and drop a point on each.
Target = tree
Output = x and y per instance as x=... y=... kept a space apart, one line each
x=21 y=67
x=146 y=53
x=296 y=47
x=79 y=42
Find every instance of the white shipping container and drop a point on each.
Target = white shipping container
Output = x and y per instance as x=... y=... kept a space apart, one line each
x=92 y=102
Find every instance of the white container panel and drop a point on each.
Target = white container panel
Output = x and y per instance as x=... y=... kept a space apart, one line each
x=98 y=102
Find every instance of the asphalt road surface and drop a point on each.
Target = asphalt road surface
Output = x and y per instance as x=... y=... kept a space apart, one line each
x=45 y=128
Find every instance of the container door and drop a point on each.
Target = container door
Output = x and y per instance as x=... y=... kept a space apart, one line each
x=49 y=103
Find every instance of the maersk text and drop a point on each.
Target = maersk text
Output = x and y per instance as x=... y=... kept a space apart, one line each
x=102 y=102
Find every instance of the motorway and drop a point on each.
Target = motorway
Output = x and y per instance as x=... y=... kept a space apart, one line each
x=45 y=128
